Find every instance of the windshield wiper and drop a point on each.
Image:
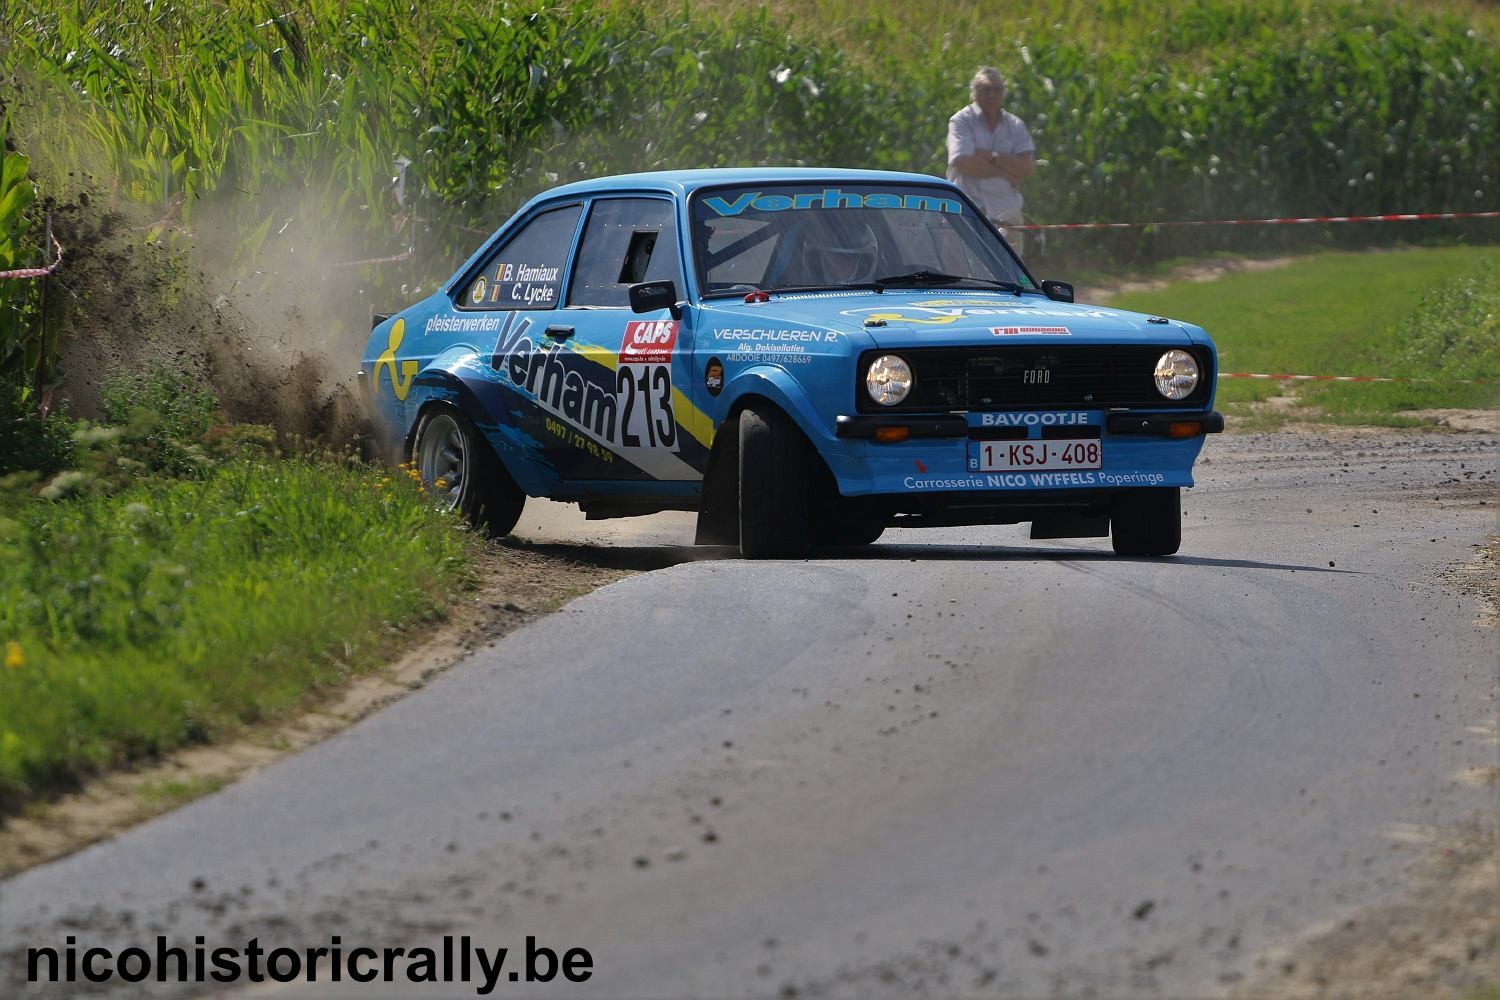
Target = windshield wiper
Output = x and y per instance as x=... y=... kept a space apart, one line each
x=926 y=277
x=843 y=286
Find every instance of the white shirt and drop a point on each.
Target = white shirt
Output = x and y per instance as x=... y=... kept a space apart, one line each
x=997 y=197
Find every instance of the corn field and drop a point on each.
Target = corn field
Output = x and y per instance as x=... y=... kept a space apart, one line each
x=20 y=348
x=395 y=126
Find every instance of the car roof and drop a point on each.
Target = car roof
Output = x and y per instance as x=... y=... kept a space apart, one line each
x=681 y=183
x=684 y=182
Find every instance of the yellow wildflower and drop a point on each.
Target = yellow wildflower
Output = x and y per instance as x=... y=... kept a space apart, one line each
x=15 y=657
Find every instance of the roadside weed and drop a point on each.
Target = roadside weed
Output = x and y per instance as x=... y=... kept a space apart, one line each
x=174 y=611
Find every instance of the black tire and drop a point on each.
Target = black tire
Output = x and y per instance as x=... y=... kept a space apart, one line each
x=448 y=447
x=848 y=532
x=772 y=485
x=1147 y=522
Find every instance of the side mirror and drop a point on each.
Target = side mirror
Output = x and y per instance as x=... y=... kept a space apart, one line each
x=649 y=296
x=1058 y=291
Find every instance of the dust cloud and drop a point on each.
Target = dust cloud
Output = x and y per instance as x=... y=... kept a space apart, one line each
x=275 y=326
x=275 y=331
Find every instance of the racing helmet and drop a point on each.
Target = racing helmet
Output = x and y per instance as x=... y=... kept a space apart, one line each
x=840 y=250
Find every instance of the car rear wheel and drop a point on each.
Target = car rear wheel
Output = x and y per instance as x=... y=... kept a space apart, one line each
x=773 y=485
x=456 y=462
x=1147 y=522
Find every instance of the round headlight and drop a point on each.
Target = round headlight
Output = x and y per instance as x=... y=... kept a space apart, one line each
x=888 y=379
x=1176 y=374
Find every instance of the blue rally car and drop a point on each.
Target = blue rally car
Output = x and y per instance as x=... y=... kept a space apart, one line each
x=804 y=357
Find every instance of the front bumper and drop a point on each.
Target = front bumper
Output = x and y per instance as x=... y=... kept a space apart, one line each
x=894 y=456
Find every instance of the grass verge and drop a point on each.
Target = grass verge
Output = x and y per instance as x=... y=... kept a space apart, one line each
x=1418 y=314
x=178 y=610
x=514 y=585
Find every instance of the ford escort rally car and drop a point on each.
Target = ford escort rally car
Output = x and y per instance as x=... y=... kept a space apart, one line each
x=804 y=357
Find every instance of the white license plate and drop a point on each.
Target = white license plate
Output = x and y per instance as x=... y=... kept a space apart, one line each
x=1006 y=456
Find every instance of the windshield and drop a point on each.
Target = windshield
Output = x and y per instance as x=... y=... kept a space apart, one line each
x=780 y=237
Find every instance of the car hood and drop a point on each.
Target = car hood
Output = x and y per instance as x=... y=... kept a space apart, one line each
x=900 y=319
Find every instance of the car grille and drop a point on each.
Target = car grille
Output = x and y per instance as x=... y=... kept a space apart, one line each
x=1041 y=376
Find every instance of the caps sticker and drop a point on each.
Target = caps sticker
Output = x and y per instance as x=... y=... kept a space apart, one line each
x=648 y=341
x=1016 y=331
x=713 y=377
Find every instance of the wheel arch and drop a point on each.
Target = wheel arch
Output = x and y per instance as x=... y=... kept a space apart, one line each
x=434 y=387
x=773 y=385
x=480 y=487
x=439 y=386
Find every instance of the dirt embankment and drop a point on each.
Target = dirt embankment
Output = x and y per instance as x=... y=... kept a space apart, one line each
x=277 y=334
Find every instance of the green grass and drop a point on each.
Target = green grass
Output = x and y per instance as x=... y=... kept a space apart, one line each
x=1422 y=314
x=178 y=610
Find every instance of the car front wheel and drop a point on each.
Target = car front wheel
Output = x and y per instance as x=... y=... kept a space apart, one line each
x=773 y=485
x=1147 y=522
x=456 y=462
x=848 y=532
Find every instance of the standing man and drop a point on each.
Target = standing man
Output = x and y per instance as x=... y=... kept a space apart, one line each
x=990 y=153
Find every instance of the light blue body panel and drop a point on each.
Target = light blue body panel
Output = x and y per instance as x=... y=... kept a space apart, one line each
x=627 y=407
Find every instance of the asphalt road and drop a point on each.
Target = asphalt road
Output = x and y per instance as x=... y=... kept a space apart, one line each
x=958 y=762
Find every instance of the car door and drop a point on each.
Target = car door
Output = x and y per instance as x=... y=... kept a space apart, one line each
x=518 y=289
x=647 y=432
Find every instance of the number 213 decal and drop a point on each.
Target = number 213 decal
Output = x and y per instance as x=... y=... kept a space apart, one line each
x=651 y=386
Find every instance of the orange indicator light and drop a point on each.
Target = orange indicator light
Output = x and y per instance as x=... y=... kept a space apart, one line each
x=890 y=435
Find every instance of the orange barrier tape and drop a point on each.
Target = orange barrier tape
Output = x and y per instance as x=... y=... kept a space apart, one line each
x=1356 y=378
x=1403 y=217
x=406 y=255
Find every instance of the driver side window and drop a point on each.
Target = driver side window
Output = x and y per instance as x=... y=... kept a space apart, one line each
x=626 y=241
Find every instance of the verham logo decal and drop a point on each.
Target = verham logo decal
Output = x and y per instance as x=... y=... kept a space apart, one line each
x=648 y=341
x=1016 y=331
